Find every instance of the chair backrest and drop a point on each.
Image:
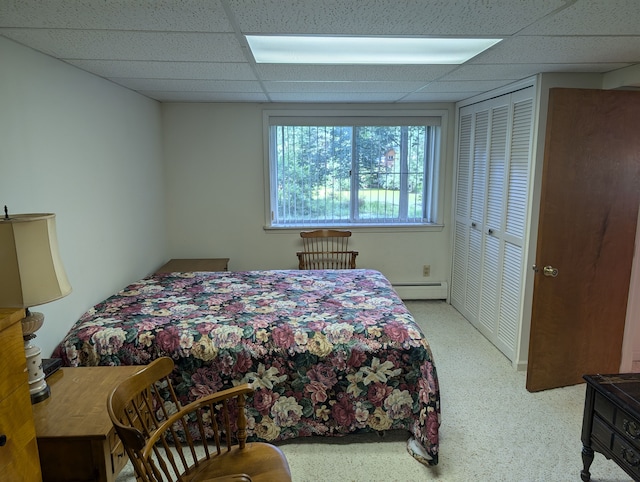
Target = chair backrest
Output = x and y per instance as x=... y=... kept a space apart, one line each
x=160 y=436
x=326 y=249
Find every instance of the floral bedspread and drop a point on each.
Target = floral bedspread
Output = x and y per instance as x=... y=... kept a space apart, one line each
x=329 y=352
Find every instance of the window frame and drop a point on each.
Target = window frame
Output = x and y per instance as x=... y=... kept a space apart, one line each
x=435 y=203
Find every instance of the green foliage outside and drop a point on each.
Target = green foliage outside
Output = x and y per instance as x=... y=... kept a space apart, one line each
x=315 y=165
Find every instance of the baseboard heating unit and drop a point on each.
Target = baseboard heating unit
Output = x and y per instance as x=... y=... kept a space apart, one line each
x=438 y=290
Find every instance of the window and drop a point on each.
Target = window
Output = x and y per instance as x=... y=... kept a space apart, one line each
x=329 y=170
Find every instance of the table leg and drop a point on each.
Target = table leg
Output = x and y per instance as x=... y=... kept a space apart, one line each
x=587 y=458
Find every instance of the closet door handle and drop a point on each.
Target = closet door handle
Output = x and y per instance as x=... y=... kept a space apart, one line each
x=473 y=225
x=490 y=231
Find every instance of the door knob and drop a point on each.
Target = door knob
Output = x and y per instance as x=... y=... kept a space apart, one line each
x=550 y=271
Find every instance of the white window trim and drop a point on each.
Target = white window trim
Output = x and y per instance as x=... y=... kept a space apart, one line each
x=332 y=115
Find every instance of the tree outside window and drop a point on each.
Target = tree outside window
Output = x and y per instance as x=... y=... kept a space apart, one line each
x=328 y=174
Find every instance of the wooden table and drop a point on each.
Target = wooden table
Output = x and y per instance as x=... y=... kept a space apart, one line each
x=202 y=264
x=76 y=439
x=611 y=423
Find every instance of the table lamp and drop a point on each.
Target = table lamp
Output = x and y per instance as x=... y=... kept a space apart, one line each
x=32 y=274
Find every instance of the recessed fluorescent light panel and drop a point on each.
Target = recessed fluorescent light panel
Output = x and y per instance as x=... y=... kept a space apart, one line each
x=273 y=49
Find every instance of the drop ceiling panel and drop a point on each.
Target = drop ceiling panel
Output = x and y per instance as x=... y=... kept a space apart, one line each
x=167 y=70
x=170 y=85
x=129 y=45
x=374 y=17
x=346 y=87
x=329 y=73
x=464 y=86
x=563 y=50
x=157 y=15
x=439 y=96
x=520 y=71
x=186 y=50
x=591 y=17
x=350 y=97
x=184 y=96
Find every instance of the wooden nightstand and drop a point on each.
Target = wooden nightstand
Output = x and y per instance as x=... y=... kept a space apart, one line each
x=76 y=439
x=207 y=264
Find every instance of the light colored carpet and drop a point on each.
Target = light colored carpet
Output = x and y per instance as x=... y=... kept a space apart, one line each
x=492 y=428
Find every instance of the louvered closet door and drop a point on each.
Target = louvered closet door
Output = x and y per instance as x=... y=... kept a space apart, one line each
x=494 y=145
x=477 y=207
x=461 y=218
x=493 y=218
x=480 y=164
x=470 y=206
x=515 y=231
x=465 y=283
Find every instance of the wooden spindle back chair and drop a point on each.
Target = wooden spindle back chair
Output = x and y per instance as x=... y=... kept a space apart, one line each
x=204 y=440
x=326 y=249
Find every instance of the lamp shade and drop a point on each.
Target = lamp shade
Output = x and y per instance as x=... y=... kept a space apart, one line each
x=30 y=265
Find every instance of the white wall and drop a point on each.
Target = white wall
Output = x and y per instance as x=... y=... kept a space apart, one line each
x=631 y=344
x=89 y=151
x=214 y=162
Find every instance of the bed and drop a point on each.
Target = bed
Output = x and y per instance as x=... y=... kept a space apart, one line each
x=329 y=352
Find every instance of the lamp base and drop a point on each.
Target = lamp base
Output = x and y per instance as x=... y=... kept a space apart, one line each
x=38 y=387
x=41 y=395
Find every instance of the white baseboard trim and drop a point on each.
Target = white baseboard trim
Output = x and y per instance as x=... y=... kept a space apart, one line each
x=521 y=366
x=438 y=290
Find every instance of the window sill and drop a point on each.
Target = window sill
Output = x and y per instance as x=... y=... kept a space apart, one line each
x=362 y=228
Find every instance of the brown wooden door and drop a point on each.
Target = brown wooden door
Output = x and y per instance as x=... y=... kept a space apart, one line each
x=588 y=214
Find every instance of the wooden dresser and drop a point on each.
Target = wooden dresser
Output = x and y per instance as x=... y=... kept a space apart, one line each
x=18 y=448
x=611 y=423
